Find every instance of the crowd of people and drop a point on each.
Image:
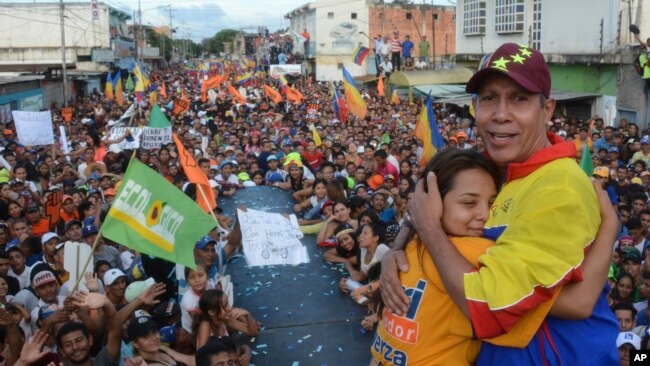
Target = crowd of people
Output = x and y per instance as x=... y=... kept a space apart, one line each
x=354 y=183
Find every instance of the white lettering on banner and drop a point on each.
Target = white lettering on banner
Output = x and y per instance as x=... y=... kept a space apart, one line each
x=153 y=138
x=271 y=239
x=34 y=128
x=118 y=132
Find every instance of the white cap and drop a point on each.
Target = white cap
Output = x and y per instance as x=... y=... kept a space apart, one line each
x=136 y=288
x=628 y=338
x=111 y=275
x=48 y=236
x=213 y=183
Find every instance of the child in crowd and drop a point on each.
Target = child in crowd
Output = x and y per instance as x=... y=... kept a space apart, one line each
x=314 y=202
x=198 y=282
x=217 y=318
x=623 y=291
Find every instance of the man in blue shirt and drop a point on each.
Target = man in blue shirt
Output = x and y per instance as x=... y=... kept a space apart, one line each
x=606 y=141
x=407 y=47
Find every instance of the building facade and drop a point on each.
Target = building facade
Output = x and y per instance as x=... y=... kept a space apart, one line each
x=587 y=44
x=336 y=30
x=31 y=40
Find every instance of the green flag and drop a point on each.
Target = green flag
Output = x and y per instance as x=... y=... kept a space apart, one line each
x=385 y=139
x=152 y=216
x=129 y=84
x=586 y=164
x=157 y=118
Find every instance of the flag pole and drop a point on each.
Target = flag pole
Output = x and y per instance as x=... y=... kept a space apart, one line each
x=92 y=250
x=207 y=204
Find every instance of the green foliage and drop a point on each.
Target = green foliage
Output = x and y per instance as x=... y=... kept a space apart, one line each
x=215 y=44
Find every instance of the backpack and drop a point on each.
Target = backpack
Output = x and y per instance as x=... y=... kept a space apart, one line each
x=637 y=65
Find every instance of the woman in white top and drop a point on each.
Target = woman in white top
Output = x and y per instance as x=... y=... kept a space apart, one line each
x=372 y=251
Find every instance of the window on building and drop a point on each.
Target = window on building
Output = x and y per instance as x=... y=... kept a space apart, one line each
x=509 y=16
x=381 y=15
x=408 y=16
x=330 y=15
x=474 y=17
x=353 y=15
x=537 y=25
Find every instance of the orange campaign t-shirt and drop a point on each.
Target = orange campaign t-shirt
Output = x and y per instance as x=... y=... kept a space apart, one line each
x=41 y=227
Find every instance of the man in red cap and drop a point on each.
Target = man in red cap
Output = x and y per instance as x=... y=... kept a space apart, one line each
x=543 y=220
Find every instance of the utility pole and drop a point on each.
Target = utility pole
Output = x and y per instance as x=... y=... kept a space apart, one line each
x=433 y=34
x=140 y=32
x=171 y=35
x=64 y=71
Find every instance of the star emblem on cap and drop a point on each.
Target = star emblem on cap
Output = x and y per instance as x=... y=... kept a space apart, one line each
x=517 y=58
x=501 y=63
x=525 y=52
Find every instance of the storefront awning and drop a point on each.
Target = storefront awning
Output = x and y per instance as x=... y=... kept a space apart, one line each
x=457 y=75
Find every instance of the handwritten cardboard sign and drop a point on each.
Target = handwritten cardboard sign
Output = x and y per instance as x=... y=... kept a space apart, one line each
x=271 y=239
x=34 y=128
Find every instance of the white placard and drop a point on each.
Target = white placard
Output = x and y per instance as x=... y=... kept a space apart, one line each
x=153 y=137
x=63 y=138
x=74 y=257
x=291 y=69
x=34 y=128
x=117 y=132
x=271 y=239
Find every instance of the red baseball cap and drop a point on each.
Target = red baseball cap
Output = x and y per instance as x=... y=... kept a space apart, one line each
x=525 y=66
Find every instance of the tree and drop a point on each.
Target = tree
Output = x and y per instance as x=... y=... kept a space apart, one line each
x=161 y=41
x=215 y=44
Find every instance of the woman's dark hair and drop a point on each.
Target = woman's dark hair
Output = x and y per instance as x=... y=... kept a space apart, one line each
x=450 y=161
x=95 y=137
x=377 y=230
x=356 y=203
x=83 y=206
x=371 y=214
x=209 y=300
x=335 y=190
x=621 y=275
x=101 y=263
x=410 y=182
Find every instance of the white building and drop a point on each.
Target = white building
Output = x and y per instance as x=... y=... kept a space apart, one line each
x=336 y=29
x=31 y=37
x=586 y=42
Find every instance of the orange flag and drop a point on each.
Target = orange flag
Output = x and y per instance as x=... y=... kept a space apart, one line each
x=195 y=175
x=293 y=95
x=235 y=94
x=394 y=98
x=380 y=87
x=211 y=83
x=163 y=90
x=272 y=93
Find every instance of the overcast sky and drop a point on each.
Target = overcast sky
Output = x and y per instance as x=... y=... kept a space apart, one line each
x=204 y=18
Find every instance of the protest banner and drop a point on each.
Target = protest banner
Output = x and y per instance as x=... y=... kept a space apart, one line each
x=117 y=132
x=290 y=69
x=34 y=128
x=63 y=139
x=153 y=138
x=271 y=239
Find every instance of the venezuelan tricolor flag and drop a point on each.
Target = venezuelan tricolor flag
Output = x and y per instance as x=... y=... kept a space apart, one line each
x=356 y=104
x=360 y=54
x=243 y=78
x=108 y=90
x=427 y=130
